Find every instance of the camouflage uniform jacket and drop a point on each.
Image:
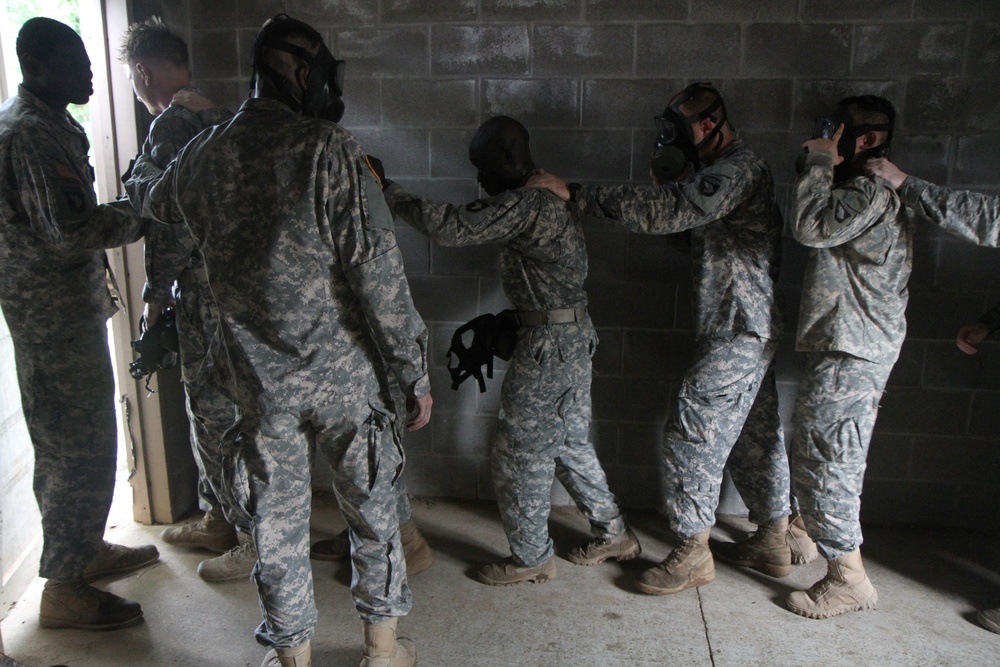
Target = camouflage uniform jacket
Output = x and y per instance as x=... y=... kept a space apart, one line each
x=53 y=270
x=543 y=262
x=972 y=216
x=300 y=252
x=736 y=228
x=169 y=248
x=854 y=291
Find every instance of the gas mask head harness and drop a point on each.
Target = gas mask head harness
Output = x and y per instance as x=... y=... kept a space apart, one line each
x=675 y=146
x=323 y=96
x=869 y=107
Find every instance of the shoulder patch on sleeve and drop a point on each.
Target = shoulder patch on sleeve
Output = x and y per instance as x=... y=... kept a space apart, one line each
x=709 y=185
x=476 y=206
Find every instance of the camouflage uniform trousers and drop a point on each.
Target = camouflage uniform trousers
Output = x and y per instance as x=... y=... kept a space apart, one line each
x=68 y=398
x=833 y=420
x=544 y=430
x=210 y=412
x=727 y=410
x=365 y=452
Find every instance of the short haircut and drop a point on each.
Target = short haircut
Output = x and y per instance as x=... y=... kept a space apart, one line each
x=152 y=40
x=42 y=37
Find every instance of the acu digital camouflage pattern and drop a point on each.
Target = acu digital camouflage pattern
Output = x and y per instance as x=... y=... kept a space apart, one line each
x=301 y=256
x=852 y=323
x=854 y=291
x=735 y=231
x=171 y=256
x=972 y=216
x=55 y=297
x=545 y=409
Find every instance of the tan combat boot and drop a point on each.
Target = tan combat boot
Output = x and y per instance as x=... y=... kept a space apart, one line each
x=416 y=551
x=798 y=540
x=508 y=573
x=989 y=619
x=621 y=547
x=114 y=560
x=765 y=550
x=237 y=563
x=383 y=649
x=297 y=656
x=212 y=532
x=845 y=588
x=688 y=566
x=74 y=604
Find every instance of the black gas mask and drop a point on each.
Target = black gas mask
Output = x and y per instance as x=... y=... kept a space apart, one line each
x=827 y=126
x=323 y=96
x=675 y=147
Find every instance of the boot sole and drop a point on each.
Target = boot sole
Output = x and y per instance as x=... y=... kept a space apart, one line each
x=91 y=577
x=539 y=578
x=628 y=555
x=200 y=545
x=868 y=605
x=649 y=589
x=57 y=624
x=987 y=623
x=770 y=569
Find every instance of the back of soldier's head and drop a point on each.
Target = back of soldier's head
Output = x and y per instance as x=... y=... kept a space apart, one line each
x=501 y=152
x=283 y=29
x=153 y=40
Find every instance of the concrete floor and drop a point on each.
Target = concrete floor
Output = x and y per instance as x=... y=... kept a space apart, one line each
x=929 y=588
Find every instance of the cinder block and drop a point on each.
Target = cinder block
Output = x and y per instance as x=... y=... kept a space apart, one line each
x=923 y=156
x=635 y=487
x=488 y=402
x=755 y=10
x=531 y=10
x=950 y=368
x=455 y=190
x=609 y=103
x=812 y=98
x=959 y=460
x=626 y=306
x=363 y=102
x=483 y=260
x=174 y=14
x=898 y=49
x=631 y=400
x=428 y=11
x=429 y=102
x=392 y=52
x=758 y=104
x=636 y=10
x=590 y=154
x=319 y=13
x=844 y=10
x=909 y=367
x=893 y=502
x=608 y=358
x=534 y=102
x=214 y=54
x=984 y=48
x=568 y=50
x=463 y=435
x=923 y=411
x=491 y=296
x=654 y=354
x=978 y=505
x=970 y=9
x=778 y=149
x=927 y=241
x=658 y=259
x=440 y=299
x=253 y=13
x=962 y=266
x=225 y=92
x=688 y=50
x=244 y=45
x=415 y=248
x=216 y=14
x=498 y=50
x=450 y=154
x=985 y=419
x=928 y=315
x=978 y=160
x=404 y=153
x=606 y=255
x=604 y=438
x=448 y=401
x=889 y=457
x=935 y=104
x=806 y=50
x=640 y=445
x=443 y=477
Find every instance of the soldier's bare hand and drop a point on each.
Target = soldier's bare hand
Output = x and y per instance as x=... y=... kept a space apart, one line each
x=550 y=182
x=826 y=145
x=192 y=101
x=970 y=336
x=886 y=170
x=420 y=408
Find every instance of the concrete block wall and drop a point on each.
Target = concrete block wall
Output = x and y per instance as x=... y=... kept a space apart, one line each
x=586 y=77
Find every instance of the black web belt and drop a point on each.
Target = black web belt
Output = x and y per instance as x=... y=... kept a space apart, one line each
x=540 y=318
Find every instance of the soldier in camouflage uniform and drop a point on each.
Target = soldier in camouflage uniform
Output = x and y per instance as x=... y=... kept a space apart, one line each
x=545 y=408
x=55 y=297
x=852 y=325
x=157 y=64
x=300 y=254
x=729 y=390
x=972 y=216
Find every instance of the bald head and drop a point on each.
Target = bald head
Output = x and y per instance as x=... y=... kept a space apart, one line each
x=501 y=154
